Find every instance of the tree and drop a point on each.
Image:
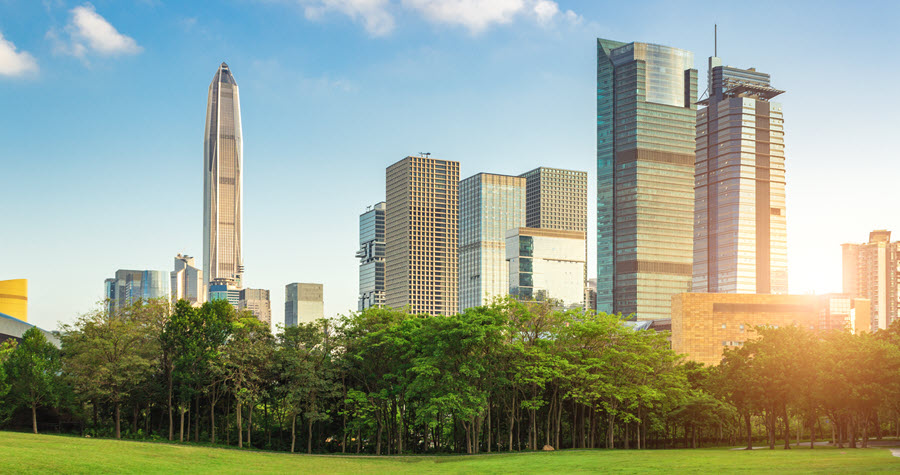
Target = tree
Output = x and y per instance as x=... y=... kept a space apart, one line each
x=34 y=372
x=245 y=359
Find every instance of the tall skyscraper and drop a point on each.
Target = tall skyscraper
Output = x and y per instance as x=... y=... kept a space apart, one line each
x=303 y=303
x=740 y=233
x=130 y=286
x=556 y=199
x=646 y=117
x=257 y=302
x=187 y=281
x=223 y=159
x=872 y=271
x=371 y=257
x=489 y=205
x=422 y=236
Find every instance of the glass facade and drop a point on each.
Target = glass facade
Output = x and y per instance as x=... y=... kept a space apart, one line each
x=646 y=115
x=740 y=228
x=489 y=205
x=131 y=286
x=546 y=264
x=371 y=257
x=303 y=303
x=223 y=156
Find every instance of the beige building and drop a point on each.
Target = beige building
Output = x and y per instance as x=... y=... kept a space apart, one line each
x=704 y=325
x=187 y=281
x=872 y=270
x=422 y=236
x=556 y=199
x=258 y=303
x=303 y=303
x=546 y=264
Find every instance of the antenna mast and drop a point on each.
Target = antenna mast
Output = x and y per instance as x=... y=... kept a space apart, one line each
x=715 y=40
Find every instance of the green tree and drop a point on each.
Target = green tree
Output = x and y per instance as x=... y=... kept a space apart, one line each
x=245 y=360
x=34 y=373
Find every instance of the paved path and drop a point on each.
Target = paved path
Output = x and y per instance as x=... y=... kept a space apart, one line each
x=895 y=452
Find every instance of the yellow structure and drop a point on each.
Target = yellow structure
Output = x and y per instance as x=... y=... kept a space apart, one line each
x=14 y=298
x=703 y=325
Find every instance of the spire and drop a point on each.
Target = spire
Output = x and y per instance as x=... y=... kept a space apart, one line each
x=224 y=74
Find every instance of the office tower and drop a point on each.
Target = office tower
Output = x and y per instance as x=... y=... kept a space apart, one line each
x=489 y=205
x=740 y=234
x=422 y=236
x=14 y=298
x=130 y=286
x=546 y=264
x=872 y=271
x=645 y=176
x=225 y=290
x=257 y=302
x=223 y=160
x=371 y=257
x=187 y=281
x=556 y=199
x=303 y=303
x=844 y=312
x=590 y=295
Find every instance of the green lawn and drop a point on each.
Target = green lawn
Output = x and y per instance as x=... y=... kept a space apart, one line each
x=47 y=453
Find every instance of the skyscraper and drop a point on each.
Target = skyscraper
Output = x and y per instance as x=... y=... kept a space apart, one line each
x=187 y=281
x=257 y=302
x=371 y=257
x=422 y=236
x=489 y=206
x=130 y=286
x=556 y=199
x=646 y=116
x=303 y=303
x=223 y=155
x=872 y=271
x=740 y=234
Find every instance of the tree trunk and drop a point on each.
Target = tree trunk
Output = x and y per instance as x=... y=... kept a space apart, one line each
x=181 y=428
x=249 y=423
x=609 y=431
x=293 y=432
x=118 y=422
x=787 y=429
x=749 y=432
x=309 y=424
x=34 y=417
x=489 y=427
x=197 y=419
x=171 y=421
x=212 y=419
x=240 y=425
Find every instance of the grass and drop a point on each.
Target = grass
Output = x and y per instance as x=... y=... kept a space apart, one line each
x=28 y=453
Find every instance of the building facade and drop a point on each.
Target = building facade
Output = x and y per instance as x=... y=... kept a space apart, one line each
x=14 y=298
x=257 y=302
x=556 y=199
x=489 y=205
x=422 y=236
x=844 y=312
x=131 y=286
x=371 y=257
x=187 y=281
x=223 y=163
x=740 y=229
x=872 y=270
x=225 y=290
x=646 y=116
x=303 y=303
x=546 y=264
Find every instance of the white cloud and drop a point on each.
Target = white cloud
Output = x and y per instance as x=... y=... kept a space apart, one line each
x=14 y=63
x=479 y=15
x=545 y=10
x=373 y=14
x=89 y=32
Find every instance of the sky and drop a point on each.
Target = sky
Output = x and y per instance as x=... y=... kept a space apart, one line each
x=102 y=109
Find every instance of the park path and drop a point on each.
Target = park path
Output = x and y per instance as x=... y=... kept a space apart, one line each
x=895 y=452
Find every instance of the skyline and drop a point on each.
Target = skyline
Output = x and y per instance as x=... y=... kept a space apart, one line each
x=490 y=106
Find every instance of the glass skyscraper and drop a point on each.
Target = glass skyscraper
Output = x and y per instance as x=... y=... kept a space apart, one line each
x=371 y=257
x=223 y=155
x=131 y=286
x=646 y=116
x=489 y=206
x=740 y=228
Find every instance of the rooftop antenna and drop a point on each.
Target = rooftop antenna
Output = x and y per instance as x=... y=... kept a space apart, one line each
x=715 y=40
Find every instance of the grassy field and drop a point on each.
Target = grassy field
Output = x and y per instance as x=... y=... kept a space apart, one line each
x=28 y=453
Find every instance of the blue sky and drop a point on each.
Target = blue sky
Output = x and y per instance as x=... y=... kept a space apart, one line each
x=102 y=107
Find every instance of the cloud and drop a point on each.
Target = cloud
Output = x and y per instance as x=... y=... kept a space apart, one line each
x=87 y=31
x=479 y=15
x=14 y=63
x=373 y=14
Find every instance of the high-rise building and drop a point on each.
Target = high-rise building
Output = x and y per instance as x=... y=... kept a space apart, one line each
x=489 y=205
x=303 y=303
x=223 y=161
x=546 y=264
x=187 y=281
x=371 y=257
x=14 y=298
x=844 y=312
x=590 y=295
x=257 y=302
x=872 y=271
x=646 y=117
x=740 y=233
x=225 y=290
x=422 y=236
x=130 y=286
x=556 y=199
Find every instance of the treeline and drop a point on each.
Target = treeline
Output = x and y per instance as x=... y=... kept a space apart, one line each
x=508 y=376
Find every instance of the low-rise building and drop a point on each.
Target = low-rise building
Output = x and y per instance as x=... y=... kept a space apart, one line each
x=546 y=264
x=257 y=302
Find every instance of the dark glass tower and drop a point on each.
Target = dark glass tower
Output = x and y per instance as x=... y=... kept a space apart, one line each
x=646 y=116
